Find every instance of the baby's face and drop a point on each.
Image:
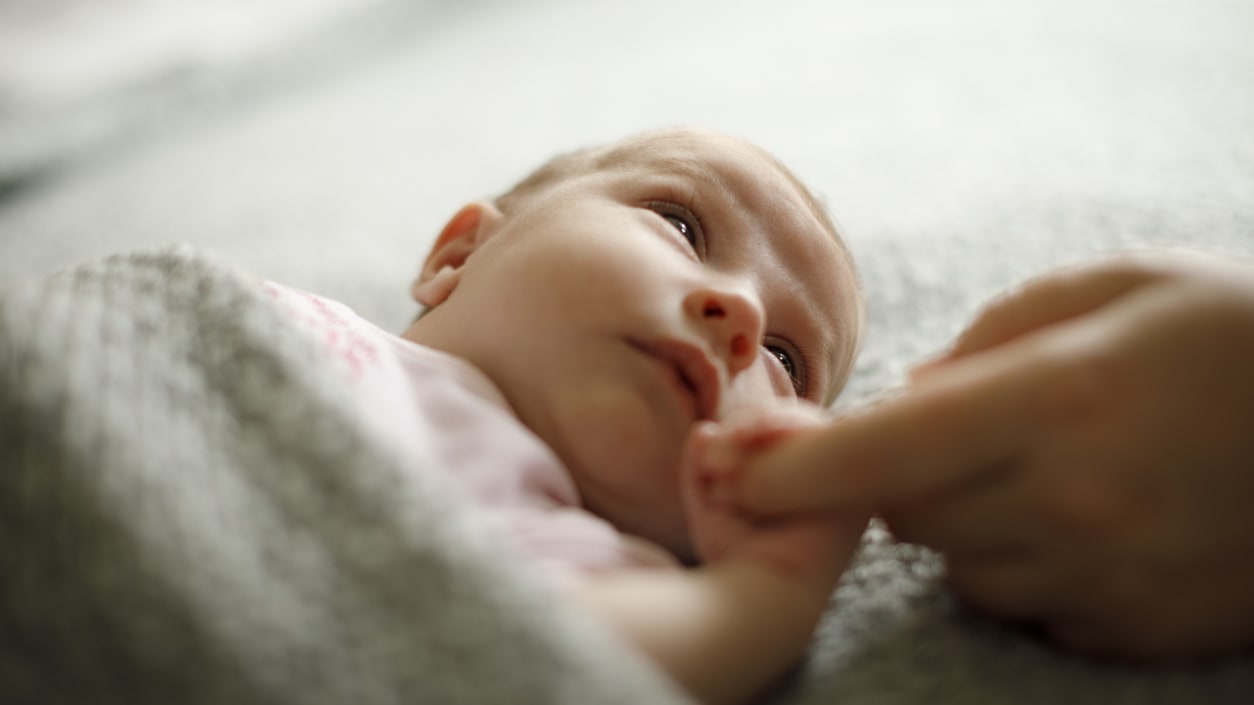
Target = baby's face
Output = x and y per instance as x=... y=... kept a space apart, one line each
x=689 y=279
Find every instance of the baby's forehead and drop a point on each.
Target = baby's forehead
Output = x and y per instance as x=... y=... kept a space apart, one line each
x=740 y=169
x=691 y=152
x=715 y=159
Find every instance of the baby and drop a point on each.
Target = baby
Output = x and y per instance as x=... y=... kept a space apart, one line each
x=586 y=336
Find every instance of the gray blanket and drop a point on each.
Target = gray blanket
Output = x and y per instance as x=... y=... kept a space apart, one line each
x=193 y=511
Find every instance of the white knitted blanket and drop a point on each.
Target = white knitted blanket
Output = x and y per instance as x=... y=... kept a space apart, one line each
x=191 y=511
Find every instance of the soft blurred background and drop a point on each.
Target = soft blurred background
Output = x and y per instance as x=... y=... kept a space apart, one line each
x=960 y=145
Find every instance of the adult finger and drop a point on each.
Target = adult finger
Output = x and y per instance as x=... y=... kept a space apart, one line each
x=993 y=514
x=1022 y=585
x=1049 y=299
x=969 y=418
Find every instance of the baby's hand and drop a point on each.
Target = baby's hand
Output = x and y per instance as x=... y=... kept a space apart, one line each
x=809 y=545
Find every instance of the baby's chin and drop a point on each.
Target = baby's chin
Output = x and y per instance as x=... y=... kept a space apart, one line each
x=675 y=541
x=678 y=546
x=671 y=536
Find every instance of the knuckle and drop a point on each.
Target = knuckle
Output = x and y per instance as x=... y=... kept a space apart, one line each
x=994 y=316
x=1085 y=508
x=1081 y=502
x=1082 y=388
x=1001 y=306
x=1140 y=265
x=1084 y=493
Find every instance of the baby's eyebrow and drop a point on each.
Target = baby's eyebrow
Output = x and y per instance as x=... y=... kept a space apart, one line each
x=711 y=184
x=686 y=168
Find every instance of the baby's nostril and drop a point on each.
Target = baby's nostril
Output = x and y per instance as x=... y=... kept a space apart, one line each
x=739 y=345
x=713 y=310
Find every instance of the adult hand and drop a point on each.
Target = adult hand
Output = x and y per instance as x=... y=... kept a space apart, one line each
x=1084 y=457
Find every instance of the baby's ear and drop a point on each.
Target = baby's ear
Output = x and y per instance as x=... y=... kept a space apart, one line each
x=460 y=237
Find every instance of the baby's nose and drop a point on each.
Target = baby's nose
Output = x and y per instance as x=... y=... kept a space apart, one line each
x=732 y=321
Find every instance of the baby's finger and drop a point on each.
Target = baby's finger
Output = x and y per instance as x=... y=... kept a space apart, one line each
x=721 y=448
x=710 y=456
x=766 y=431
x=818 y=545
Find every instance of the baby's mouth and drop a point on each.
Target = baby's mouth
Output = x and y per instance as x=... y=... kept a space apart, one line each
x=693 y=369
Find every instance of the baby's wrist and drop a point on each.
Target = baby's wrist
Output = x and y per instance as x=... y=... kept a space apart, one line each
x=804 y=589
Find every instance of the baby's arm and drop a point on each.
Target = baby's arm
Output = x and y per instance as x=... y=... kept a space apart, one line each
x=729 y=628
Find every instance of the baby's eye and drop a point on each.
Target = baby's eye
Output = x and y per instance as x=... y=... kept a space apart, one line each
x=683 y=220
x=682 y=225
x=791 y=365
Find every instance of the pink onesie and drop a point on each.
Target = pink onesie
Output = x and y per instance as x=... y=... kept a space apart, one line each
x=449 y=417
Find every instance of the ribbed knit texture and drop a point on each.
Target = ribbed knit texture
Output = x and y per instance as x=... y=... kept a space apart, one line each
x=191 y=512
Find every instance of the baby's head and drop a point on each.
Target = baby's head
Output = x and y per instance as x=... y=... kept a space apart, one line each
x=620 y=294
